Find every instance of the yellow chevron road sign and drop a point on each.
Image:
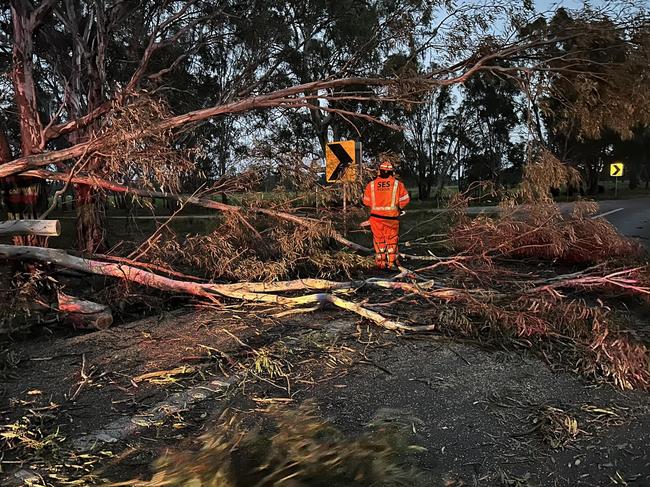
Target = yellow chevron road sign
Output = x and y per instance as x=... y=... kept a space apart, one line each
x=342 y=160
x=616 y=169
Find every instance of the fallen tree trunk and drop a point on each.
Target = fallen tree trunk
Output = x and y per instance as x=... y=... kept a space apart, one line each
x=203 y=290
x=188 y=199
x=85 y=315
x=290 y=97
x=42 y=228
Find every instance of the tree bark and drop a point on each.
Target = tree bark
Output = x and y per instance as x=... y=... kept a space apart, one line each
x=633 y=172
x=424 y=190
x=85 y=315
x=25 y=198
x=87 y=78
x=593 y=178
x=91 y=220
x=5 y=157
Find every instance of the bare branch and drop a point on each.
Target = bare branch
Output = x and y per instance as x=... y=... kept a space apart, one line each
x=203 y=290
x=155 y=45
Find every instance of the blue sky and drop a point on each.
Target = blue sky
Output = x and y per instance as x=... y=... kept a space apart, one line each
x=543 y=5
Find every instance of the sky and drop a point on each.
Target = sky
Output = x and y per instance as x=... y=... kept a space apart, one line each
x=543 y=5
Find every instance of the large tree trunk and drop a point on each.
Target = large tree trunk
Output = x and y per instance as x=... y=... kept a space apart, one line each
x=46 y=228
x=5 y=157
x=90 y=206
x=439 y=185
x=25 y=198
x=91 y=219
x=85 y=315
x=424 y=188
x=633 y=173
x=88 y=76
x=593 y=178
x=273 y=99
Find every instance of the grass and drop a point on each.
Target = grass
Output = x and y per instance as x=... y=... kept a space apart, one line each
x=624 y=192
x=119 y=228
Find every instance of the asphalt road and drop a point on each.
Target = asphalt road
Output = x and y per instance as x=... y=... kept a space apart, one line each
x=630 y=217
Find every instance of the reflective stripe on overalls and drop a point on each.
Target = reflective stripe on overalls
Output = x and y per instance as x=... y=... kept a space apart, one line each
x=393 y=199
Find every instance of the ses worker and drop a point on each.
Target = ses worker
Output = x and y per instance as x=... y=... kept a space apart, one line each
x=386 y=197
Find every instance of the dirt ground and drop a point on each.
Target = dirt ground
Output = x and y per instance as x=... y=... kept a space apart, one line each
x=84 y=410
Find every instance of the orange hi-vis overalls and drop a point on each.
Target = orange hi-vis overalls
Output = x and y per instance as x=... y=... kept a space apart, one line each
x=385 y=197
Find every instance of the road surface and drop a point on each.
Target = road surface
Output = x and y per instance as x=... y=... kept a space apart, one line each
x=630 y=217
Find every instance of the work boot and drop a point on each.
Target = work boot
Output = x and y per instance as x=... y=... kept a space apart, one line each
x=380 y=258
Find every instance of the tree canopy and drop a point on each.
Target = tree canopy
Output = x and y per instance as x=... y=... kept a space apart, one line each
x=168 y=95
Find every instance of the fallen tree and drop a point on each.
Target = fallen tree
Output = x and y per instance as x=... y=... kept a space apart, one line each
x=84 y=314
x=98 y=182
x=100 y=129
x=474 y=294
x=494 y=305
x=210 y=292
x=287 y=97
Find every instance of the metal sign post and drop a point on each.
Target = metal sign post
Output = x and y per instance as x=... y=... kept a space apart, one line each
x=345 y=208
